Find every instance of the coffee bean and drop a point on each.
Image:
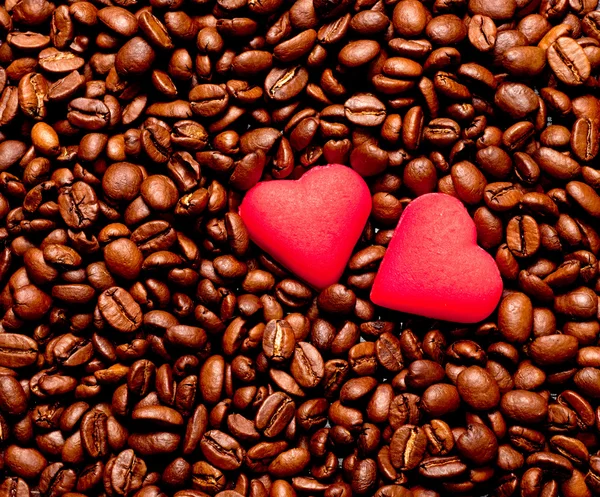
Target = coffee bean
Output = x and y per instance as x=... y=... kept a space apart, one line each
x=524 y=406
x=289 y=463
x=448 y=85
x=119 y=20
x=26 y=463
x=388 y=350
x=13 y=400
x=442 y=132
x=88 y=114
x=482 y=33
x=283 y=85
x=577 y=303
x=14 y=486
x=516 y=99
x=442 y=468
x=128 y=472
x=336 y=299
x=64 y=88
x=496 y=10
x=278 y=341
x=45 y=139
x=445 y=30
x=31 y=302
x=440 y=399
x=469 y=183
x=358 y=53
x=440 y=440
x=524 y=61
x=364 y=110
x=222 y=450
x=94 y=435
x=17 y=350
x=307 y=366
x=123 y=258
x=584 y=196
x=408 y=447
x=189 y=337
x=568 y=61
x=515 y=317
x=517 y=135
x=583 y=141
x=120 y=310
x=477 y=444
x=161 y=330
x=55 y=61
x=523 y=237
x=478 y=388
x=420 y=176
x=502 y=196
x=33 y=90
x=409 y=18
x=154 y=443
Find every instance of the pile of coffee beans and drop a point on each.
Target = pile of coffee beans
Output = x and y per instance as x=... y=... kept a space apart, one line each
x=149 y=349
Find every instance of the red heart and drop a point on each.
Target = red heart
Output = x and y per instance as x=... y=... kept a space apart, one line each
x=312 y=224
x=433 y=266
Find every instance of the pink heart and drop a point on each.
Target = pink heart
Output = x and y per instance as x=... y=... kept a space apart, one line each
x=310 y=225
x=433 y=266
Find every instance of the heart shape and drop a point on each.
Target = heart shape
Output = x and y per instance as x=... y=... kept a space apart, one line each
x=433 y=266
x=312 y=224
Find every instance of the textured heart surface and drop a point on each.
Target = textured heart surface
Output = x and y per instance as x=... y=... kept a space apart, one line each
x=309 y=225
x=433 y=266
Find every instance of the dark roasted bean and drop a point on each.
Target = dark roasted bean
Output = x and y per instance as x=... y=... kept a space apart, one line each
x=150 y=348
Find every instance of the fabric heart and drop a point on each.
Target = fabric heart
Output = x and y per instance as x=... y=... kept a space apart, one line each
x=310 y=225
x=433 y=266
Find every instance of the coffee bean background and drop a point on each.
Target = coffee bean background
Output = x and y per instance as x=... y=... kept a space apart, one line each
x=149 y=349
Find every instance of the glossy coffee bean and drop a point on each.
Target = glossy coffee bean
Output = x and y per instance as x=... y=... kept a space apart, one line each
x=150 y=348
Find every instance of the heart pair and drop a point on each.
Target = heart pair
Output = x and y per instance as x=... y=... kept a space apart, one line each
x=433 y=266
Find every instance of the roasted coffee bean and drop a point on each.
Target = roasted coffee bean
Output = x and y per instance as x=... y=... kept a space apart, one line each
x=364 y=110
x=442 y=468
x=17 y=350
x=585 y=197
x=222 y=450
x=523 y=237
x=556 y=164
x=33 y=89
x=120 y=310
x=515 y=317
x=468 y=182
x=502 y=196
x=55 y=61
x=524 y=61
x=568 y=61
x=94 y=434
x=478 y=388
x=516 y=99
x=482 y=33
x=524 y=406
x=359 y=52
x=583 y=139
x=88 y=114
x=78 y=205
x=496 y=10
x=408 y=447
x=127 y=473
x=278 y=341
x=285 y=84
x=154 y=443
x=150 y=348
x=477 y=444
x=307 y=365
